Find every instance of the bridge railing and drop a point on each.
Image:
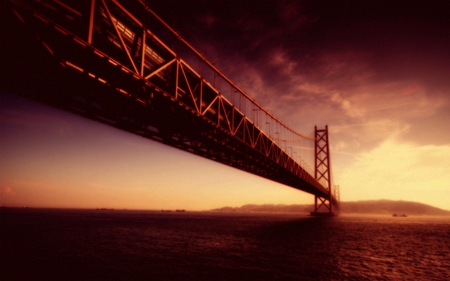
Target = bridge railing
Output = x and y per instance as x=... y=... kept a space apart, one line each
x=298 y=146
x=138 y=43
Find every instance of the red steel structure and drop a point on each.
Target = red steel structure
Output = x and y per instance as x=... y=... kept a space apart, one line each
x=103 y=59
x=323 y=206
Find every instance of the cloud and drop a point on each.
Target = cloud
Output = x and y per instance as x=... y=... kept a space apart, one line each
x=400 y=99
x=411 y=88
x=7 y=191
x=339 y=146
x=341 y=87
x=398 y=170
x=208 y=20
x=349 y=108
x=280 y=59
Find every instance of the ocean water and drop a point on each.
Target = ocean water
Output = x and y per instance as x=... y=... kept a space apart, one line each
x=45 y=244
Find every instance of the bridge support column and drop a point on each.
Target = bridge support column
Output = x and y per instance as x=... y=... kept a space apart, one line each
x=322 y=205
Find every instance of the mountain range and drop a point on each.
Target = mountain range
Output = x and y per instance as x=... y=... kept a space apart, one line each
x=387 y=207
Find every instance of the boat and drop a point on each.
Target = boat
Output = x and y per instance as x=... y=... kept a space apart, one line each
x=403 y=215
x=182 y=210
x=166 y=210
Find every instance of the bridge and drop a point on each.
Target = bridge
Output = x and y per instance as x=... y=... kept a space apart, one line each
x=118 y=62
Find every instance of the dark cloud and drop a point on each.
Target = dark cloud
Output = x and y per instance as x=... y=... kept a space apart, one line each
x=400 y=38
x=359 y=64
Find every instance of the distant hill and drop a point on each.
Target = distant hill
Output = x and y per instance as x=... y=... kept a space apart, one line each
x=266 y=208
x=391 y=207
x=359 y=207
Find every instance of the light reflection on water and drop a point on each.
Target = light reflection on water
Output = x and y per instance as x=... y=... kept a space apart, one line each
x=132 y=245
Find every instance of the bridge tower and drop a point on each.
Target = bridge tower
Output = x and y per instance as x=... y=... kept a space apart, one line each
x=322 y=170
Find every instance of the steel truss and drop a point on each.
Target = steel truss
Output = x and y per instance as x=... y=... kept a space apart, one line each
x=323 y=205
x=101 y=60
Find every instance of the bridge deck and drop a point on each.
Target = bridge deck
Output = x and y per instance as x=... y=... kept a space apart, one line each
x=116 y=71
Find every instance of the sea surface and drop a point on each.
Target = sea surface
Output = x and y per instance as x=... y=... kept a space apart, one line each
x=51 y=244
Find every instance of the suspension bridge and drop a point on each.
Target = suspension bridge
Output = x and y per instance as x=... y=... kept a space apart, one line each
x=119 y=63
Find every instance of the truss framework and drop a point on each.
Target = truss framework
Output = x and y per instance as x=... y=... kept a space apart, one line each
x=103 y=62
x=323 y=205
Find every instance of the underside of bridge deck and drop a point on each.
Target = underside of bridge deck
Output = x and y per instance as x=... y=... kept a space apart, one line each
x=46 y=59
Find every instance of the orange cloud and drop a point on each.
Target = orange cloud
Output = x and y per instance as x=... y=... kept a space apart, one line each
x=411 y=89
x=399 y=171
x=7 y=191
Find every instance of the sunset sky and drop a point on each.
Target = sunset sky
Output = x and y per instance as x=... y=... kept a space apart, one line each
x=376 y=72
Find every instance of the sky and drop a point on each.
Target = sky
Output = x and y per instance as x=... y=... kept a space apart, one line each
x=376 y=72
